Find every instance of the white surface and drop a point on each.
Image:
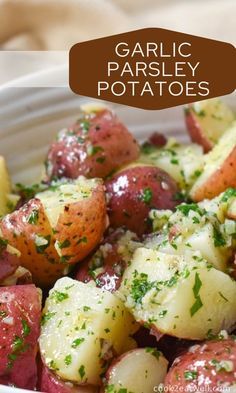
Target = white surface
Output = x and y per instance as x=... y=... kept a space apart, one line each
x=31 y=117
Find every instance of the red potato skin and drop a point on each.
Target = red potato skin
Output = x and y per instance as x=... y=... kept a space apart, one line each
x=95 y=146
x=50 y=383
x=113 y=265
x=8 y=263
x=171 y=347
x=157 y=139
x=15 y=227
x=202 y=363
x=125 y=193
x=223 y=178
x=18 y=363
x=195 y=131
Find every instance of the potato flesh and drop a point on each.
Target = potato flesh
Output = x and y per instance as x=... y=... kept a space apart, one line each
x=216 y=157
x=214 y=117
x=96 y=319
x=55 y=200
x=140 y=370
x=5 y=187
x=192 y=232
x=182 y=162
x=176 y=308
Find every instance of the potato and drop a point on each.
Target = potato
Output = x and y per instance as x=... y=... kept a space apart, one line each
x=5 y=187
x=200 y=230
x=210 y=365
x=134 y=191
x=58 y=227
x=50 y=383
x=184 y=163
x=107 y=264
x=77 y=214
x=96 y=145
x=207 y=121
x=94 y=325
x=9 y=259
x=178 y=296
x=140 y=370
x=219 y=170
x=29 y=230
x=20 y=311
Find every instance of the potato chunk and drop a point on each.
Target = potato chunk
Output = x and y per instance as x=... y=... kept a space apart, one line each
x=82 y=328
x=140 y=370
x=207 y=121
x=184 y=163
x=219 y=168
x=58 y=227
x=178 y=296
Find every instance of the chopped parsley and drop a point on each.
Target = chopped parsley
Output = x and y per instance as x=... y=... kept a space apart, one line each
x=17 y=343
x=82 y=371
x=59 y=296
x=26 y=328
x=146 y=195
x=197 y=285
x=219 y=240
x=186 y=208
x=92 y=150
x=162 y=313
x=140 y=286
x=68 y=360
x=77 y=342
x=64 y=244
x=85 y=125
x=229 y=193
x=82 y=240
x=153 y=351
x=3 y=243
x=190 y=375
x=196 y=306
x=148 y=148
x=33 y=217
x=198 y=302
x=46 y=317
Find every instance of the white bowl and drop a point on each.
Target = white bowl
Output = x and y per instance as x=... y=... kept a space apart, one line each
x=30 y=118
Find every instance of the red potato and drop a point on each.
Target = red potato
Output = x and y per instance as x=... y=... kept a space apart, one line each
x=20 y=313
x=209 y=365
x=50 y=383
x=96 y=145
x=59 y=227
x=107 y=264
x=219 y=172
x=139 y=370
x=9 y=260
x=134 y=191
x=42 y=261
x=207 y=121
